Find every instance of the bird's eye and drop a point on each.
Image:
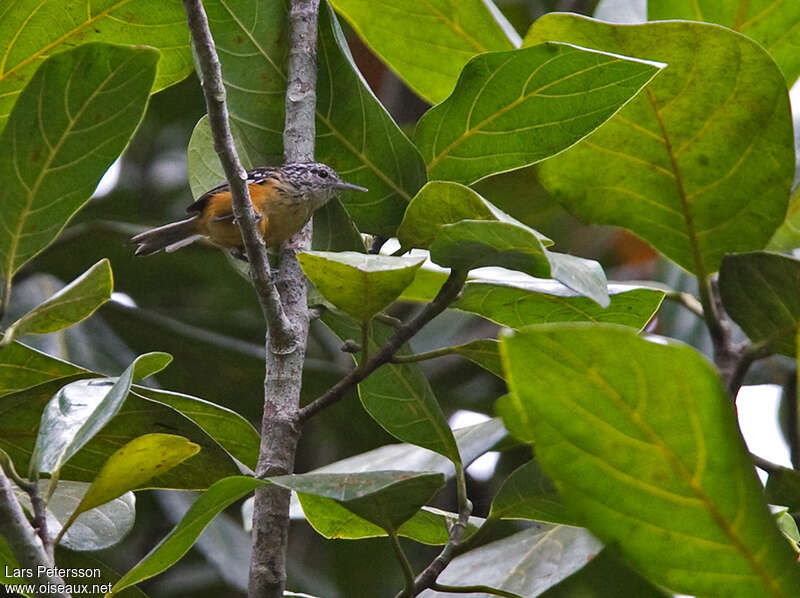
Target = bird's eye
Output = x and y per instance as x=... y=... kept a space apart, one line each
x=322 y=174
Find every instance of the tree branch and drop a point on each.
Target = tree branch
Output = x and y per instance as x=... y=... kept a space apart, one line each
x=281 y=334
x=447 y=294
x=22 y=538
x=280 y=429
x=427 y=578
x=745 y=357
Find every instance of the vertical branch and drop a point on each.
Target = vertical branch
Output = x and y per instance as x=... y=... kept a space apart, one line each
x=279 y=427
x=23 y=539
x=282 y=338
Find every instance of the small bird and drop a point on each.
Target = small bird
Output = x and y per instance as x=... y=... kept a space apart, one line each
x=284 y=198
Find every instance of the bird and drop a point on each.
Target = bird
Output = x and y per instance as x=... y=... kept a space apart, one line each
x=283 y=198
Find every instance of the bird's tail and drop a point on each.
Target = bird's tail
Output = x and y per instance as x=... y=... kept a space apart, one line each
x=168 y=237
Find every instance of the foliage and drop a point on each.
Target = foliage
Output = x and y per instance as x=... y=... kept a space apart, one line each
x=678 y=129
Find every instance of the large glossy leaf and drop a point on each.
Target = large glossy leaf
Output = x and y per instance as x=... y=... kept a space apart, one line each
x=355 y=134
x=471 y=244
x=642 y=441
x=229 y=429
x=32 y=30
x=519 y=303
x=334 y=521
x=178 y=542
x=132 y=466
x=75 y=302
x=698 y=170
x=528 y=494
x=512 y=109
x=775 y=24
x=384 y=498
x=761 y=292
x=397 y=395
x=359 y=284
x=427 y=43
x=72 y=120
x=444 y=202
x=527 y=563
x=98 y=528
x=605 y=576
x=73 y=416
x=22 y=367
x=21 y=412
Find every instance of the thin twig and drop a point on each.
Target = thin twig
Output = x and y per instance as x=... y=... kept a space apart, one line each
x=768 y=466
x=745 y=358
x=24 y=542
x=447 y=294
x=433 y=354
x=687 y=300
x=427 y=578
x=281 y=334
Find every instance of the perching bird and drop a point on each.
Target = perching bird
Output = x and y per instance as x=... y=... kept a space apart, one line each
x=284 y=198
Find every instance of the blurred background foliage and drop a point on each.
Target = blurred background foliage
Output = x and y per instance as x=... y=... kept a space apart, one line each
x=193 y=305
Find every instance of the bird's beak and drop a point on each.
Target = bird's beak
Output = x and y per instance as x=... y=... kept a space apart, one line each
x=350 y=187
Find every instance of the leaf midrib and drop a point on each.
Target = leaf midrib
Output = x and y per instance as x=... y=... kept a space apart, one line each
x=26 y=209
x=679 y=469
x=53 y=44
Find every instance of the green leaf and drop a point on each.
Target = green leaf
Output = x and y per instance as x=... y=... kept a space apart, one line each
x=149 y=364
x=359 y=284
x=605 y=576
x=761 y=292
x=513 y=109
x=334 y=230
x=475 y=243
x=695 y=169
x=401 y=33
x=384 y=498
x=22 y=367
x=472 y=441
x=75 y=302
x=73 y=416
x=529 y=494
x=655 y=461
x=72 y=120
x=82 y=560
x=253 y=45
x=178 y=542
x=788 y=234
x=333 y=521
x=397 y=395
x=526 y=563
x=132 y=466
x=229 y=429
x=21 y=412
x=443 y=202
x=485 y=352
x=773 y=24
x=783 y=488
x=519 y=303
x=513 y=417
x=98 y=528
x=32 y=30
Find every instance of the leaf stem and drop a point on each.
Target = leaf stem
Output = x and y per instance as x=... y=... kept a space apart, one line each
x=433 y=354
x=687 y=300
x=408 y=571
x=473 y=590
